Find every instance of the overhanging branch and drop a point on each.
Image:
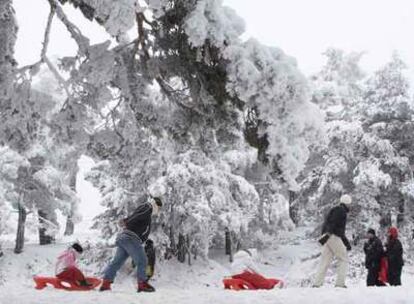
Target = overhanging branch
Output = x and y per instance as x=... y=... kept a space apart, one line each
x=81 y=40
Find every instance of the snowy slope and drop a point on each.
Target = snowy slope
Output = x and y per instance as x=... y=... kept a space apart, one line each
x=292 y=259
x=215 y=295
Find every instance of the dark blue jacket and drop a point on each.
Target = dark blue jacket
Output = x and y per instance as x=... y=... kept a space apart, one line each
x=139 y=222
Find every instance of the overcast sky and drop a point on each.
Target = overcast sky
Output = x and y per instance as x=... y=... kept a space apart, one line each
x=302 y=28
x=305 y=28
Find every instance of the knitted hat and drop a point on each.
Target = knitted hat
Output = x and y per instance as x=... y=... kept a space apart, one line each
x=371 y=231
x=346 y=200
x=77 y=247
x=393 y=232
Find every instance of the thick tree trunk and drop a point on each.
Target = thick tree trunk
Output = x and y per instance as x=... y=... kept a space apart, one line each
x=228 y=244
x=20 y=230
x=293 y=214
x=227 y=241
x=187 y=240
x=8 y=31
x=44 y=237
x=70 y=225
x=181 y=248
x=401 y=212
x=386 y=219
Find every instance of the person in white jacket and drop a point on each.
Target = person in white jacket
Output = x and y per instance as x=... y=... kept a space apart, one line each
x=244 y=268
x=243 y=260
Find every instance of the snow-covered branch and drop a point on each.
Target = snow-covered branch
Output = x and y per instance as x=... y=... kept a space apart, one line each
x=81 y=40
x=47 y=32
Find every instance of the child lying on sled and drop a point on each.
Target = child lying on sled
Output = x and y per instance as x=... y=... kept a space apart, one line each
x=244 y=268
x=67 y=269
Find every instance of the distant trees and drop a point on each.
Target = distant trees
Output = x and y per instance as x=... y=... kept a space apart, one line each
x=367 y=119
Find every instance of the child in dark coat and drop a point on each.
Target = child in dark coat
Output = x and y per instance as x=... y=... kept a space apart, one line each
x=394 y=253
x=373 y=253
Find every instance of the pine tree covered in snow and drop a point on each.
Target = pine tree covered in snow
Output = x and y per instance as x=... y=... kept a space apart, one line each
x=388 y=114
x=37 y=186
x=168 y=109
x=360 y=159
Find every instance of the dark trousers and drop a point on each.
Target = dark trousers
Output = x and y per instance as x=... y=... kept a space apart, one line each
x=394 y=275
x=372 y=278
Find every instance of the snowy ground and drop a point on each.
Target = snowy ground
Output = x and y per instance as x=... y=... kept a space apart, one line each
x=293 y=259
x=215 y=295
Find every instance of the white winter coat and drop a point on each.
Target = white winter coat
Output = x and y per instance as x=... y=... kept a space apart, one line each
x=243 y=261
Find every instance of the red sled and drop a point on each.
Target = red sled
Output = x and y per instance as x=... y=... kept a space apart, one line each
x=42 y=282
x=239 y=284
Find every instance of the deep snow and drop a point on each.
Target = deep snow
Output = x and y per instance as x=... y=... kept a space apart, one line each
x=292 y=259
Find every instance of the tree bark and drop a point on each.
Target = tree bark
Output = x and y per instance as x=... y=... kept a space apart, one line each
x=8 y=32
x=70 y=225
x=401 y=212
x=20 y=230
x=293 y=212
x=227 y=241
x=181 y=250
x=187 y=240
x=44 y=237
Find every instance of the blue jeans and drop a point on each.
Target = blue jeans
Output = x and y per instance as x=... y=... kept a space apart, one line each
x=127 y=246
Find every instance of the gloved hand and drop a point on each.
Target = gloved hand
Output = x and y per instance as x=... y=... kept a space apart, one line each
x=348 y=247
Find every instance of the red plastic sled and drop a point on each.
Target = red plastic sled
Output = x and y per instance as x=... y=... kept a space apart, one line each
x=42 y=282
x=239 y=284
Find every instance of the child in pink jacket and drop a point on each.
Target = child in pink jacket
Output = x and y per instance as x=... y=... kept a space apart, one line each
x=67 y=269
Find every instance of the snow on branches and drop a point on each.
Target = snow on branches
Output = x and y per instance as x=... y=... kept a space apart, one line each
x=367 y=155
x=267 y=79
x=210 y=21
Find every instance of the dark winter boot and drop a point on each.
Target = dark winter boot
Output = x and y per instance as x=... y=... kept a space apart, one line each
x=106 y=285
x=145 y=287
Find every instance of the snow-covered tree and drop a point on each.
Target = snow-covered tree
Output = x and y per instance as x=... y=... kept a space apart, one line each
x=179 y=92
x=388 y=110
x=8 y=32
x=338 y=87
x=42 y=186
x=360 y=159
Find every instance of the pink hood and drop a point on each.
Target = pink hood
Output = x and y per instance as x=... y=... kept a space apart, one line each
x=65 y=260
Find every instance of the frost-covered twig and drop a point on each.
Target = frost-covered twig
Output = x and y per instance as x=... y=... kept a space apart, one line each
x=63 y=83
x=174 y=96
x=45 y=59
x=46 y=221
x=47 y=32
x=34 y=68
x=81 y=40
x=141 y=37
